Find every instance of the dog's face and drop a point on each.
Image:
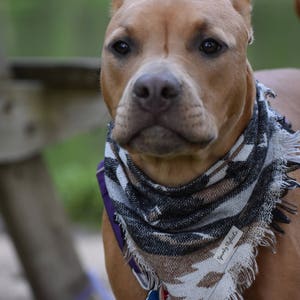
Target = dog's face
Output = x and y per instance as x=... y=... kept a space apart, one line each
x=174 y=73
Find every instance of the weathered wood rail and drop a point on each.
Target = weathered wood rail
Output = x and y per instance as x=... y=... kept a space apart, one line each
x=42 y=102
x=48 y=101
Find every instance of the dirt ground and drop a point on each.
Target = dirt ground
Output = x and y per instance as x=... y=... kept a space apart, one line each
x=13 y=285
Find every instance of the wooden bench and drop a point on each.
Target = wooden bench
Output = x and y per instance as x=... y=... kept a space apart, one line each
x=43 y=102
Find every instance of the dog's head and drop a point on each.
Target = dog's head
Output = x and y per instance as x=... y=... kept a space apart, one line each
x=175 y=75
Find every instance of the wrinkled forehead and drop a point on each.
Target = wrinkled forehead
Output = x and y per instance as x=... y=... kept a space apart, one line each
x=181 y=16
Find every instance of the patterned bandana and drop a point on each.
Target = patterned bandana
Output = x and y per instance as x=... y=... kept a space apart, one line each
x=200 y=240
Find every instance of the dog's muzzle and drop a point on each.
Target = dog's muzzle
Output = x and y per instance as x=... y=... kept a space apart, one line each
x=162 y=114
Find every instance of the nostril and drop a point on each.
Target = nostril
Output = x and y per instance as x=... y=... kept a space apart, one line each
x=143 y=92
x=166 y=93
x=169 y=92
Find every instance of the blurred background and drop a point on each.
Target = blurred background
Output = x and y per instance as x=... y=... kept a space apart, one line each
x=75 y=28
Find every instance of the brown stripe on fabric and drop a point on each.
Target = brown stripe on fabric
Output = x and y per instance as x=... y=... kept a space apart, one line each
x=217 y=190
x=210 y=280
x=169 y=268
x=228 y=159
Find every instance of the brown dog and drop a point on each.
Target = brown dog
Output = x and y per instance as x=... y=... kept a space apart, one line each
x=174 y=132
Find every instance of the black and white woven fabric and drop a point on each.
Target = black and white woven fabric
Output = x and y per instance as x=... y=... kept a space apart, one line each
x=200 y=240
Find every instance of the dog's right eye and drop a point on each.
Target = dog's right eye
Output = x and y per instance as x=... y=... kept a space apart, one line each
x=121 y=48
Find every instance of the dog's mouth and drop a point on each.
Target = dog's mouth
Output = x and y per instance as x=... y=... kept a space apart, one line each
x=161 y=141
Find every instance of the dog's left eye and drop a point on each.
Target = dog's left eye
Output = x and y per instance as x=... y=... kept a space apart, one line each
x=210 y=47
x=121 y=47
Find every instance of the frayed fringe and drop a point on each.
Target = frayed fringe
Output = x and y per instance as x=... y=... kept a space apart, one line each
x=288 y=207
x=288 y=151
x=263 y=236
x=291 y=183
x=235 y=296
x=290 y=146
x=264 y=92
x=131 y=252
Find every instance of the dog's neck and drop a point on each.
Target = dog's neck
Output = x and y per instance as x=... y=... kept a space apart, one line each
x=180 y=170
x=174 y=171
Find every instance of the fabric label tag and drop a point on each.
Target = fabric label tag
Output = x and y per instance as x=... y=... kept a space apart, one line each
x=227 y=247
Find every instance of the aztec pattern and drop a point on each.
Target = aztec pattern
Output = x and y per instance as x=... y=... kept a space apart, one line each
x=180 y=237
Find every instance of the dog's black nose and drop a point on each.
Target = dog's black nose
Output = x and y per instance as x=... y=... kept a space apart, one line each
x=156 y=92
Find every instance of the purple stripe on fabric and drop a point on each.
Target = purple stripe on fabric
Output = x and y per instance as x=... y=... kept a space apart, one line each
x=109 y=206
x=111 y=214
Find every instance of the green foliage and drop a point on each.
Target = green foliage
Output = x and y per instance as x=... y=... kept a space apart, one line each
x=76 y=28
x=277 y=35
x=72 y=165
x=57 y=28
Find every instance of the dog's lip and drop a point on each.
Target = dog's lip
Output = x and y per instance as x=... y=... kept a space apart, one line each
x=178 y=136
x=159 y=129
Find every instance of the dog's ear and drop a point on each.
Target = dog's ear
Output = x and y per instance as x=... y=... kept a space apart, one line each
x=297 y=6
x=244 y=8
x=115 y=5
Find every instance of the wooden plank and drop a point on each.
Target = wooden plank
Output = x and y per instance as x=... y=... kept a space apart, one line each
x=38 y=226
x=3 y=67
x=4 y=75
x=32 y=117
x=72 y=73
x=52 y=100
